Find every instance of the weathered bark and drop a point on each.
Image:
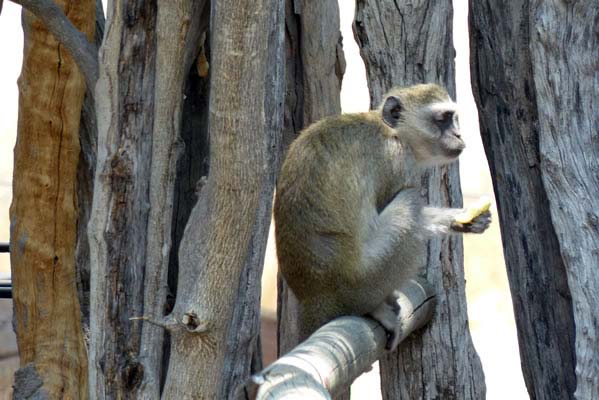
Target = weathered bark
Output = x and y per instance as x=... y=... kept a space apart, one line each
x=67 y=31
x=315 y=67
x=119 y=222
x=328 y=362
x=177 y=22
x=86 y=170
x=193 y=164
x=404 y=43
x=534 y=76
x=192 y=167
x=44 y=213
x=215 y=319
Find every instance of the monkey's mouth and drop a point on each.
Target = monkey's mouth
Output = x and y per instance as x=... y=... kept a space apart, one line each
x=453 y=145
x=455 y=152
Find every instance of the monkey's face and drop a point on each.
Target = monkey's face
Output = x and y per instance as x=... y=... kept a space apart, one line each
x=443 y=131
x=431 y=128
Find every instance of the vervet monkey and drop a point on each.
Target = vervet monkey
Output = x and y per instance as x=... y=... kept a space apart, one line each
x=349 y=224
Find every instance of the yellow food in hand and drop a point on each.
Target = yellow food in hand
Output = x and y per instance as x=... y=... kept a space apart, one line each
x=481 y=206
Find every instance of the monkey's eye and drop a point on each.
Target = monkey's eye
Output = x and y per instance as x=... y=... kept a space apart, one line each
x=444 y=120
x=444 y=117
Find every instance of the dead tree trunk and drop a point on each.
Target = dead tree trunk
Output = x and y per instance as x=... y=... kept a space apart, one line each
x=177 y=22
x=404 y=43
x=315 y=67
x=44 y=214
x=86 y=171
x=215 y=320
x=534 y=75
x=119 y=221
x=193 y=164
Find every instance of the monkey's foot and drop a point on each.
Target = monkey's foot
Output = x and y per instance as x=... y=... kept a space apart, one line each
x=387 y=314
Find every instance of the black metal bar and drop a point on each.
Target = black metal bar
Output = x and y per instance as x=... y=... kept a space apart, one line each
x=5 y=292
x=5 y=289
x=5 y=284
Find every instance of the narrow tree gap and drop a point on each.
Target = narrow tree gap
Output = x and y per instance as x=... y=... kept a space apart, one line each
x=86 y=169
x=192 y=169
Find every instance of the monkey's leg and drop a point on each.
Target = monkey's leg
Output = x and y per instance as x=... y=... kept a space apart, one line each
x=312 y=314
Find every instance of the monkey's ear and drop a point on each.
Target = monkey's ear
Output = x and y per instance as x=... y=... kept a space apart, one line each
x=392 y=111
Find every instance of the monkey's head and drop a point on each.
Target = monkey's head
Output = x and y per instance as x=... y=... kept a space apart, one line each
x=425 y=117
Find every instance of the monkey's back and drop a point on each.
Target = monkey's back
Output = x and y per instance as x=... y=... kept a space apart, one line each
x=327 y=192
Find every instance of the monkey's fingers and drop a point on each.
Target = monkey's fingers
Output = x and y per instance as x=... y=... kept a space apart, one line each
x=480 y=223
x=469 y=215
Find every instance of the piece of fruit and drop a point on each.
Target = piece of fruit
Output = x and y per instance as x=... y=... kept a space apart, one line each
x=482 y=205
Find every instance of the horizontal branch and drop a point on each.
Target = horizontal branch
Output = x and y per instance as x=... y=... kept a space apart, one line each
x=336 y=354
x=83 y=52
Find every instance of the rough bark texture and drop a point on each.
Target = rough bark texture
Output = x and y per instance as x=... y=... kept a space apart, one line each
x=404 y=43
x=68 y=33
x=86 y=171
x=177 y=22
x=340 y=351
x=534 y=76
x=216 y=314
x=119 y=221
x=193 y=164
x=315 y=67
x=44 y=214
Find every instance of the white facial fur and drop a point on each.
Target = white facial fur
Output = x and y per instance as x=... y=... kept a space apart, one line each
x=444 y=106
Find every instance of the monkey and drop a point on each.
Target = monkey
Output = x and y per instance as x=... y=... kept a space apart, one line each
x=350 y=228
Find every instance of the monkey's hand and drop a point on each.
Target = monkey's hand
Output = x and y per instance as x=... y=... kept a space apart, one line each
x=481 y=206
x=387 y=314
x=478 y=225
x=475 y=219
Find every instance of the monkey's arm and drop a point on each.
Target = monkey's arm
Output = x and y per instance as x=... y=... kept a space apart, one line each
x=396 y=223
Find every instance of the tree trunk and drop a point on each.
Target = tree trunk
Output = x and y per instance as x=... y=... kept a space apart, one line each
x=86 y=170
x=534 y=75
x=177 y=22
x=404 y=43
x=315 y=67
x=44 y=214
x=193 y=165
x=119 y=222
x=215 y=320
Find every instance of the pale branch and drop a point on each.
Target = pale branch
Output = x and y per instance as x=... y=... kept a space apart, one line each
x=165 y=323
x=336 y=354
x=83 y=52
